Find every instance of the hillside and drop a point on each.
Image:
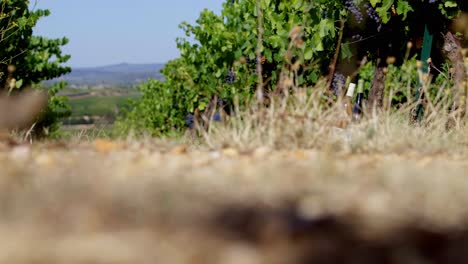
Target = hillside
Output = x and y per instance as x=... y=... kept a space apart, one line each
x=122 y=75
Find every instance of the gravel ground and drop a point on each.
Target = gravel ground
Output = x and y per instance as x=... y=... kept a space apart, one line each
x=147 y=202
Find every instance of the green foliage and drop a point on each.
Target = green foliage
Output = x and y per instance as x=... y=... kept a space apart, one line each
x=220 y=44
x=449 y=8
x=35 y=58
x=57 y=109
x=386 y=8
x=367 y=74
x=401 y=82
x=226 y=43
x=163 y=105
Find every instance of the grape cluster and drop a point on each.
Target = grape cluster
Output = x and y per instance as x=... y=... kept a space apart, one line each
x=374 y=16
x=248 y=60
x=432 y=1
x=230 y=77
x=338 y=83
x=324 y=14
x=351 y=6
x=217 y=117
x=190 y=121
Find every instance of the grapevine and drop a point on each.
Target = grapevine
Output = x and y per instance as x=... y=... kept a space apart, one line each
x=221 y=62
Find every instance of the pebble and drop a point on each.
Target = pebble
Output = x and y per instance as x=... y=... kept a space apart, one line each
x=230 y=152
x=45 y=159
x=179 y=150
x=262 y=152
x=106 y=146
x=21 y=153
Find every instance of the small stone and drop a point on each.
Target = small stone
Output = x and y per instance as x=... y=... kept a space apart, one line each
x=45 y=160
x=261 y=152
x=299 y=154
x=214 y=154
x=21 y=153
x=179 y=150
x=230 y=153
x=106 y=146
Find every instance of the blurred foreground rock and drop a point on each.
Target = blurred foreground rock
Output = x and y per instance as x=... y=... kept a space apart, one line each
x=99 y=203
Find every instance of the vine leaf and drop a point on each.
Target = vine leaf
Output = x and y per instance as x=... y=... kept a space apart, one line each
x=346 y=51
x=450 y=4
x=19 y=83
x=383 y=10
x=403 y=8
x=374 y=2
x=308 y=54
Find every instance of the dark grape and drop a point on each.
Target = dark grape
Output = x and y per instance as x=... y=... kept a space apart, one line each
x=190 y=121
x=217 y=117
x=338 y=83
x=248 y=60
x=230 y=77
x=351 y=6
x=374 y=16
x=324 y=14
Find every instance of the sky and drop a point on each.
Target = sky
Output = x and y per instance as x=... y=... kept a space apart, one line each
x=104 y=32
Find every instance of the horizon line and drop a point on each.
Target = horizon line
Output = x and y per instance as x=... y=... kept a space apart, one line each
x=115 y=64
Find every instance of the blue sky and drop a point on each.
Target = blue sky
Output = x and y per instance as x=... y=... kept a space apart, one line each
x=103 y=32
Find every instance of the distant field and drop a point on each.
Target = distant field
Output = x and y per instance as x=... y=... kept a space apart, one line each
x=123 y=75
x=99 y=105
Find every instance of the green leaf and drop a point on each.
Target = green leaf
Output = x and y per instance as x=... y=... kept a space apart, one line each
x=403 y=8
x=345 y=51
x=383 y=11
x=375 y=2
x=326 y=27
x=318 y=44
x=19 y=83
x=313 y=77
x=450 y=4
x=268 y=55
x=308 y=54
x=202 y=106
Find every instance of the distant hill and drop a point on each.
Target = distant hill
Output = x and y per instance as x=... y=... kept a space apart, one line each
x=122 y=75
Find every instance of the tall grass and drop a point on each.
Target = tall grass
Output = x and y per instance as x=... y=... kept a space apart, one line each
x=302 y=119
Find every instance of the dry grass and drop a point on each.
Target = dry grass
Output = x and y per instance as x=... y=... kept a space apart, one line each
x=302 y=122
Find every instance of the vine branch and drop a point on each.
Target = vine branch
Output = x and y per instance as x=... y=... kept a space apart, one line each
x=332 y=66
